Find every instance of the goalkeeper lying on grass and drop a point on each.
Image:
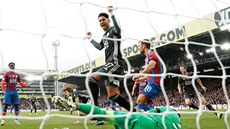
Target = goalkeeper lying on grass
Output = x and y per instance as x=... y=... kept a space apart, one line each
x=139 y=120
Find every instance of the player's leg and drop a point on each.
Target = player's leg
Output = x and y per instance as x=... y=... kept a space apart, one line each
x=112 y=83
x=31 y=109
x=114 y=95
x=6 y=102
x=150 y=106
x=209 y=106
x=16 y=102
x=148 y=93
x=141 y=100
x=188 y=101
x=78 y=114
x=35 y=109
x=93 y=85
x=4 y=110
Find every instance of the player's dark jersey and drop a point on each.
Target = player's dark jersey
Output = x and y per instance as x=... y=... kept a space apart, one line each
x=186 y=83
x=112 y=47
x=83 y=97
x=33 y=100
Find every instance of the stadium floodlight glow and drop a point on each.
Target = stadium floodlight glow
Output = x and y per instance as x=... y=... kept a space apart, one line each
x=210 y=50
x=33 y=78
x=225 y=46
x=189 y=56
x=201 y=53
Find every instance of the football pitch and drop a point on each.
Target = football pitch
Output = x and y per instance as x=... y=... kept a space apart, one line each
x=207 y=121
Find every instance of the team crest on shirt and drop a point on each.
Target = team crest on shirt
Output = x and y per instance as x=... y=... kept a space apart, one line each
x=14 y=76
x=13 y=80
x=105 y=41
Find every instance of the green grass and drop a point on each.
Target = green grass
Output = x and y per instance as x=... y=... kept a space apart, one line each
x=207 y=121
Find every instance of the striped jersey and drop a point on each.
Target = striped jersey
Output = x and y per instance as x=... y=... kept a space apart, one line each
x=10 y=80
x=152 y=56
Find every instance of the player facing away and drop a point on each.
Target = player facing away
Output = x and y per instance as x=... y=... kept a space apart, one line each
x=33 y=105
x=189 y=91
x=115 y=64
x=152 y=66
x=143 y=120
x=11 y=97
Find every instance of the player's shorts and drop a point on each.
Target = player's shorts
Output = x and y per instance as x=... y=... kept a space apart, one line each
x=191 y=95
x=11 y=98
x=151 y=90
x=111 y=68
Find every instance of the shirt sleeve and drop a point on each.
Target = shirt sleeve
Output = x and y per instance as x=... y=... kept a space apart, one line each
x=117 y=29
x=97 y=45
x=21 y=82
x=4 y=81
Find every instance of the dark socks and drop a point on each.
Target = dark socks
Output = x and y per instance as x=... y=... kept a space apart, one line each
x=121 y=101
x=210 y=108
x=95 y=91
x=193 y=106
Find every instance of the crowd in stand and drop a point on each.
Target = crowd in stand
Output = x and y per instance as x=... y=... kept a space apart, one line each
x=25 y=104
x=214 y=95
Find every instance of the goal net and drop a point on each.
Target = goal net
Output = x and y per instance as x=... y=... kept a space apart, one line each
x=47 y=42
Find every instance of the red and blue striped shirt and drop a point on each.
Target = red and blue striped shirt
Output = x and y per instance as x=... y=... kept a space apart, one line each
x=9 y=81
x=152 y=56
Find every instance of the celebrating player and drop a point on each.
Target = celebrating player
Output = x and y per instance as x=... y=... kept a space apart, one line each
x=136 y=121
x=33 y=105
x=152 y=66
x=115 y=64
x=189 y=92
x=11 y=97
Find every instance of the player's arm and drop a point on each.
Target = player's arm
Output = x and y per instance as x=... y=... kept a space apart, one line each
x=97 y=45
x=147 y=70
x=179 y=86
x=201 y=84
x=21 y=82
x=149 y=67
x=134 y=87
x=3 y=83
x=117 y=29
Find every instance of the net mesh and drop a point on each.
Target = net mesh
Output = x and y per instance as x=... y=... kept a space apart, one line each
x=138 y=20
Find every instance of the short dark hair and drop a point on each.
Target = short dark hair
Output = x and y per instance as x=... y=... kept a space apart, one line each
x=103 y=14
x=146 y=43
x=11 y=63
